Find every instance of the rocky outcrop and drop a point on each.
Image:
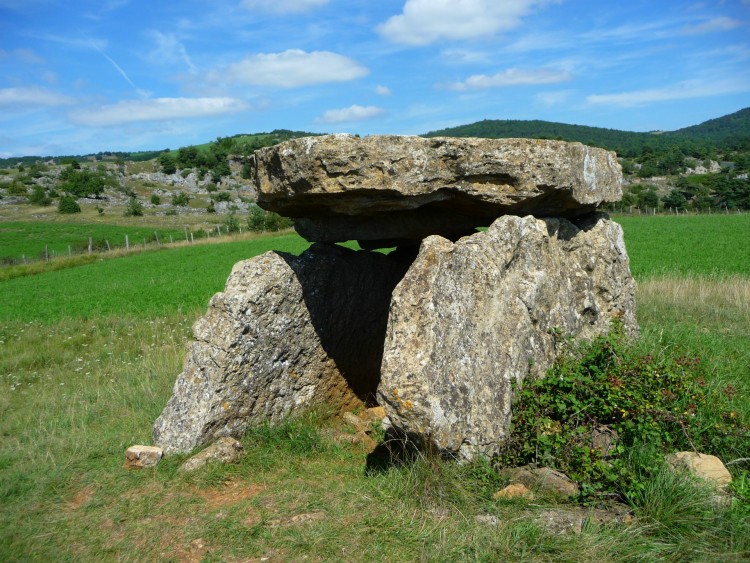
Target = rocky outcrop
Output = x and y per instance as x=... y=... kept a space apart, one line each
x=288 y=332
x=402 y=189
x=472 y=319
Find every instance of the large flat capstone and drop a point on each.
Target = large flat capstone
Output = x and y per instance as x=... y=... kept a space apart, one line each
x=402 y=189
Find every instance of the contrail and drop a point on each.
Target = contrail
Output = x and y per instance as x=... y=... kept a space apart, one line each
x=119 y=69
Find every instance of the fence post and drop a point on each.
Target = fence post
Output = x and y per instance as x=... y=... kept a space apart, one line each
x=170 y=240
x=90 y=244
x=70 y=251
x=158 y=242
x=191 y=238
x=108 y=247
x=46 y=253
x=127 y=243
x=186 y=236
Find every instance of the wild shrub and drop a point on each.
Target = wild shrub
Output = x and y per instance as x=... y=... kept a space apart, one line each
x=180 y=199
x=155 y=199
x=261 y=220
x=39 y=196
x=222 y=196
x=232 y=223
x=68 y=205
x=604 y=385
x=16 y=188
x=134 y=208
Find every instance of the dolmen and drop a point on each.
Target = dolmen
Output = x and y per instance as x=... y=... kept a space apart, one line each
x=498 y=255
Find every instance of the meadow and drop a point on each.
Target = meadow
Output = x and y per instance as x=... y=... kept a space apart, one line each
x=89 y=354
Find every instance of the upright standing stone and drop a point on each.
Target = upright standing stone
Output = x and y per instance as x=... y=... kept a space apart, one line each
x=472 y=320
x=288 y=332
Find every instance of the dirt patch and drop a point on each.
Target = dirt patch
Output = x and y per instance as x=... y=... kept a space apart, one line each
x=230 y=493
x=81 y=498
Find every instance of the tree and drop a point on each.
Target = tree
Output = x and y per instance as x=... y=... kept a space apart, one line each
x=168 y=163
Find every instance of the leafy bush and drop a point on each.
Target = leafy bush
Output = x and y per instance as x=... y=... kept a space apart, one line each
x=232 y=223
x=222 y=196
x=39 y=196
x=211 y=207
x=180 y=199
x=68 y=204
x=155 y=199
x=134 y=208
x=262 y=220
x=17 y=188
x=603 y=385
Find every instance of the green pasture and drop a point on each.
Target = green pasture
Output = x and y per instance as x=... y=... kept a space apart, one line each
x=89 y=355
x=687 y=244
x=29 y=238
x=148 y=284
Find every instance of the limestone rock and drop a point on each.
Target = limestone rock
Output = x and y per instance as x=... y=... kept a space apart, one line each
x=342 y=187
x=543 y=479
x=138 y=457
x=472 y=319
x=708 y=467
x=514 y=490
x=287 y=332
x=223 y=450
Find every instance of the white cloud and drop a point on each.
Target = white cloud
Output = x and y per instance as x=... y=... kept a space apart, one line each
x=715 y=24
x=383 y=91
x=512 y=77
x=158 y=109
x=352 y=113
x=283 y=6
x=426 y=21
x=291 y=69
x=553 y=98
x=169 y=50
x=30 y=97
x=682 y=91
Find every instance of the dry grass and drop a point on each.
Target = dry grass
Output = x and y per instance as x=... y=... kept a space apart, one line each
x=705 y=293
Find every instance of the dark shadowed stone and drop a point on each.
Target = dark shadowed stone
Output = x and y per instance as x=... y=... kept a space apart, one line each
x=288 y=332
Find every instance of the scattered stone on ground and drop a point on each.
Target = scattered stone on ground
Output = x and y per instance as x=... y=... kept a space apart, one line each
x=512 y=491
x=299 y=519
x=223 y=450
x=342 y=187
x=566 y=520
x=603 y=439
x=543 y=479
x=139 y=457
x=707 y=467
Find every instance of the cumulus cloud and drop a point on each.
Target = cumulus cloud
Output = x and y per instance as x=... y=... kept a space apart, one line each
x=352 y=113
x=291 y=69
x=426 y=21
x=31 y=97
x=383 y=91
x=710 y=26
x=512 y=77
x=158 y=109
x=283 y=6
x=685 y=90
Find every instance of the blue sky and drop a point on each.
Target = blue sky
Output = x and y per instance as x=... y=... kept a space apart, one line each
x=89 y=76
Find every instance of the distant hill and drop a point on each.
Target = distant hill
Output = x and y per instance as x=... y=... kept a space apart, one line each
x=722 y=129
x=730 y=131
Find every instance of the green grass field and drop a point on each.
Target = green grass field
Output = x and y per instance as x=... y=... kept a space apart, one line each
x=29 y=238
x=687 y=244
x=89 y=354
